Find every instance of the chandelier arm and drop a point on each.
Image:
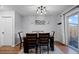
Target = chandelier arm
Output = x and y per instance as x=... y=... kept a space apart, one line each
x=41 y=9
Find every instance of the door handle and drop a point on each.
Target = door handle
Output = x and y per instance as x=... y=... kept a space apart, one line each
x=2 y=32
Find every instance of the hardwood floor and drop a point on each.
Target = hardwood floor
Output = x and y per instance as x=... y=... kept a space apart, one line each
x=62 y=47
x=9 y=50
x=16 y=49
x=65 y=49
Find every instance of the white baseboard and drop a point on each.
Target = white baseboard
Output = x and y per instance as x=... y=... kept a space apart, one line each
x=8 y=45
x=13 y=46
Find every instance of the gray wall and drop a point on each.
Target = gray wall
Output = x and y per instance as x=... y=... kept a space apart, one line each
x=28 y=25
x=18 y=26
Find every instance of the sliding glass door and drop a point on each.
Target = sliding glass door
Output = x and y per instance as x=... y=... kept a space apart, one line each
x=73 y=31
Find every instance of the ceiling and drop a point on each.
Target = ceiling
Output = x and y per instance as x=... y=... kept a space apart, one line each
x=25 y=10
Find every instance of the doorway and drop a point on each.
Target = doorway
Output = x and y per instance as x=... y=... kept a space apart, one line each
x=73 y=31
x=6 y=30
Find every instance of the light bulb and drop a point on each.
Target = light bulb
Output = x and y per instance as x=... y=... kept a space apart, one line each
x=44 y=9
x=37 y=12
x=45 y=12
x=41 y=13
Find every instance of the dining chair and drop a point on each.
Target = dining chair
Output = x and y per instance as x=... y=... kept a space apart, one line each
x=31 y=41
x=44 y=41
x=52 y=41
x=21 y=39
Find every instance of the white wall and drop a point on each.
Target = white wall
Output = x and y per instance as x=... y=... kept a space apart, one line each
x=59 y=33
x=28 y=25
x=18 y=26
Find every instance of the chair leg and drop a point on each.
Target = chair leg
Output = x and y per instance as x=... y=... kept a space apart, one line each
x=20 y=45
x=48 y=49
x=40 y=49
x=36 y=49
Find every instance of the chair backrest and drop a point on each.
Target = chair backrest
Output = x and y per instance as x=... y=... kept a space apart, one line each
x=20 y=36
x=31 y=38
x=43 y=38
x=53 y=34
